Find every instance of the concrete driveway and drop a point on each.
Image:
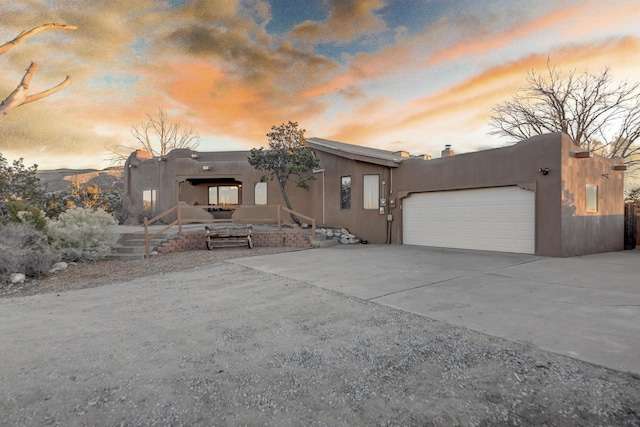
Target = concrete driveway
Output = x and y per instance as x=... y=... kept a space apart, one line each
x=584 y=307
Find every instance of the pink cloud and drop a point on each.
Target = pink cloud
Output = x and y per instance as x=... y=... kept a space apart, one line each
x=468 y=105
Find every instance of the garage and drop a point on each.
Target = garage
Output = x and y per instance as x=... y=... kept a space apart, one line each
x=493 y=219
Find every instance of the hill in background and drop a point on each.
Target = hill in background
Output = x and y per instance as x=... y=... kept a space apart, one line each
x=62 y=179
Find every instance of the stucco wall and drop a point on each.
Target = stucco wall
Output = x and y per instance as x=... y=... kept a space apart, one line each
x=364 y=223
x=513 y=165
x=563 y=228
x=180 y=169
x=586 y=232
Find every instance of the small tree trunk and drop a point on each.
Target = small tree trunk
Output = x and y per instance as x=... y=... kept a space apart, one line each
x=288 y=203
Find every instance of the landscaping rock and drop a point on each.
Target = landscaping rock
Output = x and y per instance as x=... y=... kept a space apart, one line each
x=341 y=235
x=17 y=278
x=59 y=266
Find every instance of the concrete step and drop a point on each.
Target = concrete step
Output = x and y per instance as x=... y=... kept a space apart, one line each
x=134 y=247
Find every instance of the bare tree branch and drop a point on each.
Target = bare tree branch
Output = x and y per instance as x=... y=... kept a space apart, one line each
x=598 y=115
x=26 y=34
x=19 y=96
x=158 y=136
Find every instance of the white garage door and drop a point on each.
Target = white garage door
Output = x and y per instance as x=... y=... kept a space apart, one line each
x=493 y=219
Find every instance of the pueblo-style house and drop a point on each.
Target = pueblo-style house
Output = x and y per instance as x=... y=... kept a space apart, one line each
x=542 y=196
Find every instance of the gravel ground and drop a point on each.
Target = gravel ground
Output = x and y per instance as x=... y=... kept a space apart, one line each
x=115 y=270
x=187 y=339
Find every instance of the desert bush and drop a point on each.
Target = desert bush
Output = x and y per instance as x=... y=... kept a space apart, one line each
x=18 y=182
x=114 y=205
x=23 y=249
x=54 y=204
x=86 y=197
x=26 y=214
x=22 y=236
x=83 y=235
x=37 y=263
x=8 y=263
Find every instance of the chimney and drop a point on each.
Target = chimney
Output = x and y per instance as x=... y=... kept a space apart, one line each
x=447 y=151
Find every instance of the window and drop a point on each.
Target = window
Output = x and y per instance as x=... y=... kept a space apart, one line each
x=260 y=193
x=371 y=191
x=592 y=198
x=225 y=195
x=149 y=201
x=345 y=192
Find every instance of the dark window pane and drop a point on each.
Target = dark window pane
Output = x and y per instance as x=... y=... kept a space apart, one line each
x=345 y=192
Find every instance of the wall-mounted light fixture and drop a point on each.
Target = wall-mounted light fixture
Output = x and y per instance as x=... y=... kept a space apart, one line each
x=206 y=168
x=195 y=156
x=544 y=171
x=162 y=159
x=605 y=175
x=133 y=166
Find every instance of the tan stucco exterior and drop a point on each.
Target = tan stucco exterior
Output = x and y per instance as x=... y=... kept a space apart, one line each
x=563 y=225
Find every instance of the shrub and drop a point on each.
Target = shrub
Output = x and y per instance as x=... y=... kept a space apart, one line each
x=22 y=236
x=23 y=249
x=83 y=235
x=8 y=263
x=55 y=204
x=18 y=182
x=90 y=197
x=26 y=214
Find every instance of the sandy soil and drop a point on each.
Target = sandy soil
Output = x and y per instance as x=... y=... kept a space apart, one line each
x=115 y=270
x=192 y=340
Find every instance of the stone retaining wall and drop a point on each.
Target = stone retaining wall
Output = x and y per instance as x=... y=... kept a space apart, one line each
x=197 y=241
x=280 y=238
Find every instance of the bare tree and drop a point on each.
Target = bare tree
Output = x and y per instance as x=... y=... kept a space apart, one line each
x=19 y=96
x=158 y=136
x=599 y=115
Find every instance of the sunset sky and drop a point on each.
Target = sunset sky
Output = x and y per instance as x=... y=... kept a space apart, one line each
x=409 y=75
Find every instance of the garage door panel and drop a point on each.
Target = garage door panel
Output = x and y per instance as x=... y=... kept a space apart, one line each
x=497 y=219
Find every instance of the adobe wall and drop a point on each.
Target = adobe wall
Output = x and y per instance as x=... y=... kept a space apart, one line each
x=585 y=232
x=367 y=224
x=180 y=166
x=518 y=164
x=563 y=226
x=169 y=178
